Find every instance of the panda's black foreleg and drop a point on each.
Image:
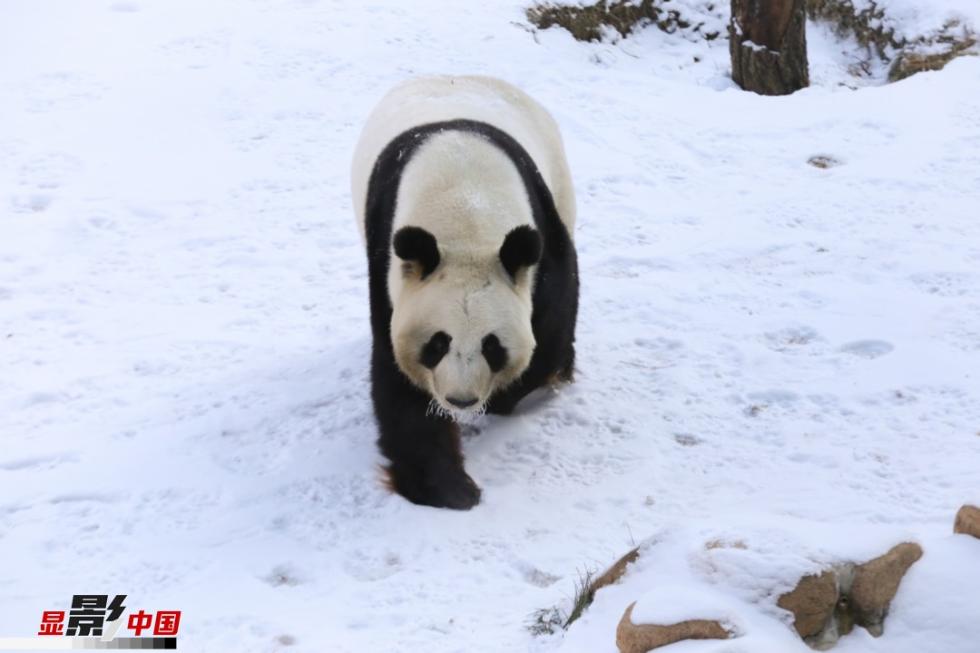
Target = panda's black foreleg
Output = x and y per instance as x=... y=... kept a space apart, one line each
x=438 y=481
x=546 y=369
x=425 y=453
x=504 y=402
x=567 y=373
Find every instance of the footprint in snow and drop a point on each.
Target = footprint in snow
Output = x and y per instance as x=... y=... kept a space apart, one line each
x=790 y=338
x=539 y=578
x=37 y=463
x=34 y=203
x=283 y=576
x=868 y=348
x=687 y=440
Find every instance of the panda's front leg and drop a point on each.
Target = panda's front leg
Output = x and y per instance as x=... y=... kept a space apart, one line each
x=424 y=449
x=438 y=481
x=504 y=402
x=550 y=366
x=426 y=463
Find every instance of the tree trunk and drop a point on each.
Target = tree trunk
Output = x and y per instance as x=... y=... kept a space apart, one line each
x=767 y=39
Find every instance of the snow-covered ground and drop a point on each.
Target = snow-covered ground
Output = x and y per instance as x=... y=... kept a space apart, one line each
x=768 y=352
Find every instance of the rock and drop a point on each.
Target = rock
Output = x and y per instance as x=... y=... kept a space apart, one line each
x=633 y=638
x=821 y=606
x=812 y=603
x=968 y=521
x=876 y=583
x=614 y=573
x=909 y=63
x=827 y=606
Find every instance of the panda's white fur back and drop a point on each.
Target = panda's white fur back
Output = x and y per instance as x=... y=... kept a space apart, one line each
x=485 y=99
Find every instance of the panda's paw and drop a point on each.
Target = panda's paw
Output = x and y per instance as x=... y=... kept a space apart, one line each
x=458 y=492
x=439 y=485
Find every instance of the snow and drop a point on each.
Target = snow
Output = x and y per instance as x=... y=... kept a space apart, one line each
x=667 y=604
x=769 y=353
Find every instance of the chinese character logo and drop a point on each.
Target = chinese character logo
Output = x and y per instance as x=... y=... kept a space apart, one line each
x=94 y=621
x=88 y=613
x=52 y=623
x=166 y=622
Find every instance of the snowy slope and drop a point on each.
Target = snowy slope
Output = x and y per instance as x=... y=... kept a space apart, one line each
x=766 y=349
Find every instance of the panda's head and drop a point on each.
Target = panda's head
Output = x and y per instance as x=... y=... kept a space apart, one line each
x=461 y=326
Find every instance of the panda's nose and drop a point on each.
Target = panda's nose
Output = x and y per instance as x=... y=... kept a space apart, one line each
x=461 y=402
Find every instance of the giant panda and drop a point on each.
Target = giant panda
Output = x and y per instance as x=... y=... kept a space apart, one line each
x=465 y=204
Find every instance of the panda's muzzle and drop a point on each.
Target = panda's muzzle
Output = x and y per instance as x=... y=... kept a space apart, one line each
x=461 y=402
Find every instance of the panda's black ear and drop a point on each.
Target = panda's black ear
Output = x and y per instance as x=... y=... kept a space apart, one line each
x=521 y=248
x=417 y=245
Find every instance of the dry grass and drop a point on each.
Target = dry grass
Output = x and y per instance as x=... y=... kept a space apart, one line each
x=548 y=621
x=589 y=22
x=584 y=595
x=867 y=26
x=870 y=28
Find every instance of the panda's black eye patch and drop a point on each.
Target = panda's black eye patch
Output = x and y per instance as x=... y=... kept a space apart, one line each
x=435 y=349
x=494 y=352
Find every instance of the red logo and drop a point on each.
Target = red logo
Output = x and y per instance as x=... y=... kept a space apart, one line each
x=52 y=623
x=167 y=622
